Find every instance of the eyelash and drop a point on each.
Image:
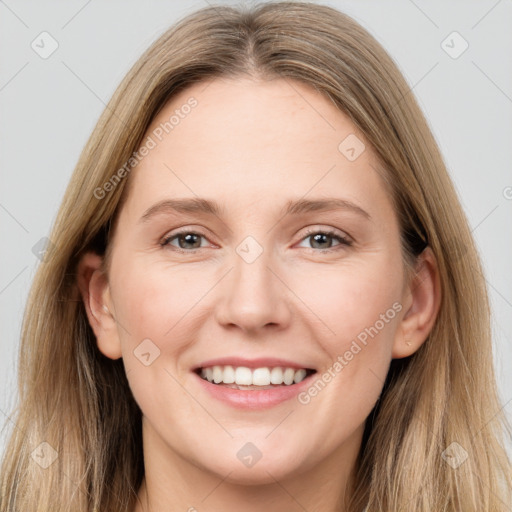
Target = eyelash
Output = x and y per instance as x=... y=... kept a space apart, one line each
x=343 y=241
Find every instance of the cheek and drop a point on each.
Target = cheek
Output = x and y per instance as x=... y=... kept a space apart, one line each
x=361 y=306
x=358 y=309
x=350 y=298
x=156 y=308
x=154 y=300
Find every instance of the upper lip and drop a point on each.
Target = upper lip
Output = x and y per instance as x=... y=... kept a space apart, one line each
x=259 y=362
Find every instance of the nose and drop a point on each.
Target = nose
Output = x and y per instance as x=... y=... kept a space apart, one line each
x=254 y=297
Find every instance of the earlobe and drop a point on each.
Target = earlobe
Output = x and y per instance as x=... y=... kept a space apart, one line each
x=423 y=299
x=95 y=291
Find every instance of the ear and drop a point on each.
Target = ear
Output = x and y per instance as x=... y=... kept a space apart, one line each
x=95 y=291
x=421 y=300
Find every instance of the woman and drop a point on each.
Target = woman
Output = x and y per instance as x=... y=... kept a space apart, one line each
x=259 y=368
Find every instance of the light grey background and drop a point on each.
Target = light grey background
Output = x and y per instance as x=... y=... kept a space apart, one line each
x=48 y=107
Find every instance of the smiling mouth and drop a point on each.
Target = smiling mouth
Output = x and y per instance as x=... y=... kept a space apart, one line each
x=244 y=378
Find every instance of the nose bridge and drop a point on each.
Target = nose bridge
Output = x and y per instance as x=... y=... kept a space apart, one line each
x=252 y=262
x=254 y=297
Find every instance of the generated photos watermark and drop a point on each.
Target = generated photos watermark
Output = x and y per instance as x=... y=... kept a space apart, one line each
x=150 y=143
x=343 y=360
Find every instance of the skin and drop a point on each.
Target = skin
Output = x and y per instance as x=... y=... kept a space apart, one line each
x=251 y=146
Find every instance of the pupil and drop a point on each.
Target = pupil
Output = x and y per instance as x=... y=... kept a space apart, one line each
x=318 y=237
x=189 y=239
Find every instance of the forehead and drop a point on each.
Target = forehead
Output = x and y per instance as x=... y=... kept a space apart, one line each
x=244 y=141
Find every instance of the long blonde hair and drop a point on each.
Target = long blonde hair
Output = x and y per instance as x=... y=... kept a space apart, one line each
x=79 y=402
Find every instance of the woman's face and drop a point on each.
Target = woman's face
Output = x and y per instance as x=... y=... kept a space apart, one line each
x=256 y=283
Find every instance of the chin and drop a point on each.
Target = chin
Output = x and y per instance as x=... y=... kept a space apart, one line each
x=240 y=470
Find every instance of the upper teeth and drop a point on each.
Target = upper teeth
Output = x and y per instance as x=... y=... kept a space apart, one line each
x=244 y=376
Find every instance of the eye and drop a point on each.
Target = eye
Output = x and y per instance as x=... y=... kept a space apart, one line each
x=322 y=239
x=188 y=241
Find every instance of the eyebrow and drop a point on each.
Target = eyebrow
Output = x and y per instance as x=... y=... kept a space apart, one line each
x=210 y=207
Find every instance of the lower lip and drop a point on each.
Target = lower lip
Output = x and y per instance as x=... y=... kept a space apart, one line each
x=254 y=399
